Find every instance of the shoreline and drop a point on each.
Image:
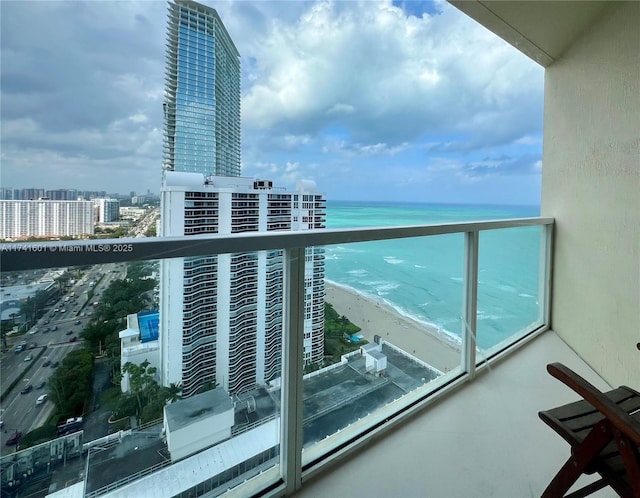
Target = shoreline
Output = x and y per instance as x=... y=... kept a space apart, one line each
x=427 y=343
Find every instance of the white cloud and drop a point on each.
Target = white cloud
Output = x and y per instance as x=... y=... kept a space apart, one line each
x=138 y=118
x=347 y=149
x=343 y=92
x=387 y=77
x=341 y=109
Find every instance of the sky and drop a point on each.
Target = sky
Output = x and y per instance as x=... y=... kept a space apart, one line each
x=373 y=100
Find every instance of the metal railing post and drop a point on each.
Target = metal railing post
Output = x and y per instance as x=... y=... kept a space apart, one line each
x=470 y=302
x=292 y=370
x=545 y=275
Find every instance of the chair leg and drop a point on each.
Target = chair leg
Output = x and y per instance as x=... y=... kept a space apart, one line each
x=581 y=456
x=631 y=459
x=588 y=489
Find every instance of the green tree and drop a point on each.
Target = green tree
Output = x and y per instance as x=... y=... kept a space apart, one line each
x=32 y=307
x=62 y=281
x=70 y=384
x=336 y=325
x=172 y=392
x=207 y=386
x=337 y=330
x=6 y=327
x=142 y=382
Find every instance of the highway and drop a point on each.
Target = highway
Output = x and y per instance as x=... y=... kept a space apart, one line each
x=150 y=219
x=19 y=412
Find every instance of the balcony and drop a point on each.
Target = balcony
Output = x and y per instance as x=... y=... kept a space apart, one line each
x=480 y=435
x=382 y=402
x=485 y=440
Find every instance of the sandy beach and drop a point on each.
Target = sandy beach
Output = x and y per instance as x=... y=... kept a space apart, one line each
x=377 y=318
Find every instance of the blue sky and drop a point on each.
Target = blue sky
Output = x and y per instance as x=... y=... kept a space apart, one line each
x=390 y=100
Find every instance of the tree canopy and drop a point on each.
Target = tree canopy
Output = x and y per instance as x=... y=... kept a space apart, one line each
x=146 y=398
x=70 y=385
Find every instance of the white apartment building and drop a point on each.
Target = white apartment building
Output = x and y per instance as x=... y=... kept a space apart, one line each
x=107 y=210
x=45 y=218
x=139 y=342
x=221 y=317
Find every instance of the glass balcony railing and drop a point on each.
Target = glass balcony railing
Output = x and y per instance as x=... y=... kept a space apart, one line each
x=403 y=325
x=510 y=286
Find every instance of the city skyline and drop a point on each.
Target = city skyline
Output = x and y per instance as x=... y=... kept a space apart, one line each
x=379 y=100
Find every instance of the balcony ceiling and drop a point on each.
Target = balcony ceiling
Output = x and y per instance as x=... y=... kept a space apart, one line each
x=542 y=30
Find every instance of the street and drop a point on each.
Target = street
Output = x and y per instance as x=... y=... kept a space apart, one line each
x=56 y=334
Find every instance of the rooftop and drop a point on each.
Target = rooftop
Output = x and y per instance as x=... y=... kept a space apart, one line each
x=490 y=429
x=194 y=408
x=334 y=398
x=486 y=440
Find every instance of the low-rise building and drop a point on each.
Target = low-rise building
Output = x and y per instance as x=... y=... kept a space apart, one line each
x=139 y=342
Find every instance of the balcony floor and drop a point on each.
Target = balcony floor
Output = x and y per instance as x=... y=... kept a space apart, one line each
x=484 y=440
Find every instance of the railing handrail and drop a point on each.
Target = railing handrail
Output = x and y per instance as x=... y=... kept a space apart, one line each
x=36 y=255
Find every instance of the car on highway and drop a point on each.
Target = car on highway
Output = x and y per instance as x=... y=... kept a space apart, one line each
x=71 y=425
x=73 y=339
x=68 y=332
x=41 y=399
x=27 y=389
x=46 y=363
x=77 y=322
x=28 y=358
x=42 y=384
x=13 y=440
x=55 y=364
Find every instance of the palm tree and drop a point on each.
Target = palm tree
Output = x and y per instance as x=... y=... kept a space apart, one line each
x=62 y=281
x=172 y=392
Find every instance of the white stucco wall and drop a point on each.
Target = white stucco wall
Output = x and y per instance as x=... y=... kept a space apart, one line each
x=591 y=185
x=137 y=355
x=199 y=435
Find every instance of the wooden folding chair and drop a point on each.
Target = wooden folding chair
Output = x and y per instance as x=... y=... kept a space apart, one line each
x=603 y=430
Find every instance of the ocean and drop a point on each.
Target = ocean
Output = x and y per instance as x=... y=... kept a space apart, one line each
x=422 y=277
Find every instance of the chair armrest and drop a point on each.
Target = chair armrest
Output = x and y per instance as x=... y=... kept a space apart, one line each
x=624 y=422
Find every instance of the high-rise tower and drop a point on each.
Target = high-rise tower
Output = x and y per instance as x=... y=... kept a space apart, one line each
x=221 y=316
x=202 y=93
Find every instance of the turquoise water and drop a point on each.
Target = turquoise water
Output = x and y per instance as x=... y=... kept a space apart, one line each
x=422 y=277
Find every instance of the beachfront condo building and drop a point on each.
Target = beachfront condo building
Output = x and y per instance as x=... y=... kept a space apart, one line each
x=45 y=218
x=221 y=317
x=202 y=93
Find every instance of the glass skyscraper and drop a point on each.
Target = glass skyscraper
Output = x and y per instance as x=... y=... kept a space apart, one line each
x=202 y=93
